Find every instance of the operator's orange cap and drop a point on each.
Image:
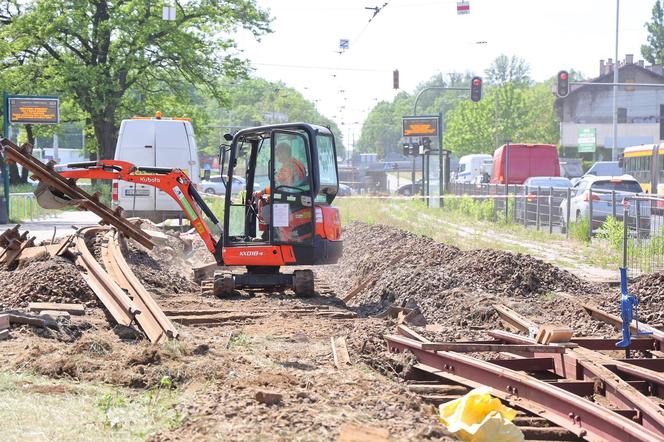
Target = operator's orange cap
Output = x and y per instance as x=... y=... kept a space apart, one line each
x=267 y=190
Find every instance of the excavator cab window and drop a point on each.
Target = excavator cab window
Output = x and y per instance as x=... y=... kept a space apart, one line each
x=291 y=210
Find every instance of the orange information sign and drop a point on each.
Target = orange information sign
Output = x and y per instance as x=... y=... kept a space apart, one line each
x=29 y=110
x=420 y=126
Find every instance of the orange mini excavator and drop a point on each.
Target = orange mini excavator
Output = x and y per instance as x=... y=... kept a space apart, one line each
x=280 y=216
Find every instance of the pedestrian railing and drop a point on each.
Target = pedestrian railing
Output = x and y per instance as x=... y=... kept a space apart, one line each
x=24 y=207
x=627 y=223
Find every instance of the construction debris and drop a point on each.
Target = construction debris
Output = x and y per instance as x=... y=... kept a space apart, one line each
x=268 y=397
x=340 y=352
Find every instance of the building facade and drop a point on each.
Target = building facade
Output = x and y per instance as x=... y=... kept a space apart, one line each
x=590 y=107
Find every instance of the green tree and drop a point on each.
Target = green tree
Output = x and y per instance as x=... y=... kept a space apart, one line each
x=96 y=52
x=653 y=52
x=508 y=112
x=508 y=70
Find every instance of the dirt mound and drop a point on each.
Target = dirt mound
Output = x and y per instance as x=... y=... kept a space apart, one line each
x=649 y=289
x=53 y=280
x=452 y=287
x=161 y=270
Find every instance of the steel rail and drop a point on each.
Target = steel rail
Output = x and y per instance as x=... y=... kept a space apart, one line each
x=152 y=319
x=45 y=174
x=116 y=301
x=584 y=364
x=580 y=416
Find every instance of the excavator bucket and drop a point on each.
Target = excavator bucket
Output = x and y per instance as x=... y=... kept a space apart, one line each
x=49 y=198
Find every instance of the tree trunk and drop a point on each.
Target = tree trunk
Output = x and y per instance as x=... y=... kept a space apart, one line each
x=106 y=133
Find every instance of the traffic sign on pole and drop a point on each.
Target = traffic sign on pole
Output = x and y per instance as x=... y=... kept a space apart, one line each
x=463 y=8
x=587 y=140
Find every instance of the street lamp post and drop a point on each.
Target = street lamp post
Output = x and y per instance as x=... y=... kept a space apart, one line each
x=614 y=153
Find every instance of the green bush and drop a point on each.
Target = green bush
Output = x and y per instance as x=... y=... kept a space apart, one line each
x=580 y=230
x=473 y=208
x=613 y=231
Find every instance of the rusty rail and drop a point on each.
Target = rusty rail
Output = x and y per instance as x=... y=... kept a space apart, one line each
x=46 y=174
x=152 y=319
x=579 y=415
x=116 y=301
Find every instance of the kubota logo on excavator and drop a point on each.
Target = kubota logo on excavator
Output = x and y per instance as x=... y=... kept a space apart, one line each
x=251 y=253
x=149 y=180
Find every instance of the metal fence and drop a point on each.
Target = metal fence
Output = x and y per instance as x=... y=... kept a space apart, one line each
x=24 y=207
x=628 y=223
x=643 y=237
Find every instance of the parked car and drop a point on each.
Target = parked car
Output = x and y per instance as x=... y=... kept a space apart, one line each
x=605 y=168
x=525 y=160
x=344 y=190
x=602 y=188
x=215 y=185
x=410 y=189
x=541 y=187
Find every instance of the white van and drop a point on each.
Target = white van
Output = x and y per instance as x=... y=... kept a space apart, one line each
x=156 y=142
x=471 y=167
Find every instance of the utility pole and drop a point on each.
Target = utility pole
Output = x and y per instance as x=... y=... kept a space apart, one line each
x=614 y=153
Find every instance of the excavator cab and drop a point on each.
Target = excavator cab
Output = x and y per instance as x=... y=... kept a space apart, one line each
x=282 y=216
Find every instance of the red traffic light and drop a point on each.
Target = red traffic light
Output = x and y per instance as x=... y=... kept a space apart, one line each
x=562 y=89
x=476 y=89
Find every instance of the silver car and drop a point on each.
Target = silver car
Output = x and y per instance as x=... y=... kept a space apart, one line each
x=599 y=191
x=215 y=185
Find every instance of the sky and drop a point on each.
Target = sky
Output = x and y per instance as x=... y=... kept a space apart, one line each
x=421 y=38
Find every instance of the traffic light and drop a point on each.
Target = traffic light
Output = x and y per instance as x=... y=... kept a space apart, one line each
x=395 y=79
x=406 y=149
x=563 y=84
x=476 y=89
x=426 y=145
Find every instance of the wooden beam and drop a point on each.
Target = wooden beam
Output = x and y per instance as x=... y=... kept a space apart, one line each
x=72 y=309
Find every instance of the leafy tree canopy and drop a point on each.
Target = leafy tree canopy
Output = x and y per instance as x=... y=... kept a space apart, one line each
x=653 y=52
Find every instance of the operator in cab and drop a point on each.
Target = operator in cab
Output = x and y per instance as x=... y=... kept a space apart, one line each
x=291 y=171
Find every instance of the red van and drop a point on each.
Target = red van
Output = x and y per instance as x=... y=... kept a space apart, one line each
x=525 y=160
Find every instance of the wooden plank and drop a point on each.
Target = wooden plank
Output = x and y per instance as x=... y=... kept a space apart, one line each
x=72 y=309
x=362 y=433
x=467 y=348
x=406 y=331
x=4 y=321
x=514 y=319
x=340 y=352
x=617 y=322
x=20 y=318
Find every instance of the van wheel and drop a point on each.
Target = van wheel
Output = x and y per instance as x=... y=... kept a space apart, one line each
x=210 y=190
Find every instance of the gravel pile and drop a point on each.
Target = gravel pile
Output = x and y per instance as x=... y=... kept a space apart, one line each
x=161 y=270
x=455 y=289
x=649 y=289
x=53 y=280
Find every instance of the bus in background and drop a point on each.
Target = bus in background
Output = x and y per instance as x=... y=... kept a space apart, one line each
x=525 y=160
x=646 y=164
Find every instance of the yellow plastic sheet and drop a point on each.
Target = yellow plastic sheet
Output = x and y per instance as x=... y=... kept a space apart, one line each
x=479 y=417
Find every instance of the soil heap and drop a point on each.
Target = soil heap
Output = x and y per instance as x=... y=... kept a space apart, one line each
x=53 y=280
x=453 y=287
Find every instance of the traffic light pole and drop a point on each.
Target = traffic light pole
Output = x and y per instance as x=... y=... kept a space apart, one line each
x=441 y=165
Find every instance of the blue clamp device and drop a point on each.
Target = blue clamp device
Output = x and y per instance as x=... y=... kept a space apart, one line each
x=628 y=311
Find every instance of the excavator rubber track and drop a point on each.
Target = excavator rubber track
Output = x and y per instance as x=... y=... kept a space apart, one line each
x=225 y=283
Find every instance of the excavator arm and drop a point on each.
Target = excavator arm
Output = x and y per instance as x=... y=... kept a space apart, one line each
x=174 y=182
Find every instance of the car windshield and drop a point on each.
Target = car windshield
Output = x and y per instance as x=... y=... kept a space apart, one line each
x=617 y=185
